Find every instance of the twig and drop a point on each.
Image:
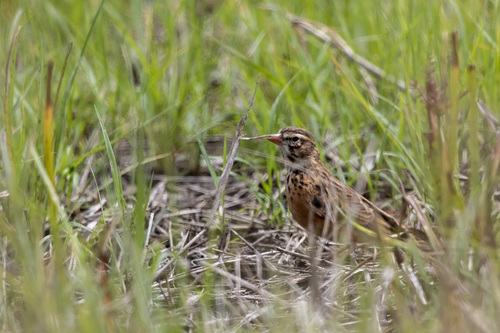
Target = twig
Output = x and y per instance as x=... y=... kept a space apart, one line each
x=415 y=282
x=230 y=159
x=159 y=272
x=257 y=253
x=148 y=235
x=423 y=220
x=304 y=256
x=330 y=36
x=245 y=284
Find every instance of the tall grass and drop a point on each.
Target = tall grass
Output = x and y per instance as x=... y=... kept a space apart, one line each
x=164 y=72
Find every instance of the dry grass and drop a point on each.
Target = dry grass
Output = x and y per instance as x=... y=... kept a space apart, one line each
x=147 y=216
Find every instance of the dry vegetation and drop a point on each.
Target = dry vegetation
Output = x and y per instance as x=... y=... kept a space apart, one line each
x=128 y=203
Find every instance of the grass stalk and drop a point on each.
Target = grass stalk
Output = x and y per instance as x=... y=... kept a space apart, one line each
x=7 y=102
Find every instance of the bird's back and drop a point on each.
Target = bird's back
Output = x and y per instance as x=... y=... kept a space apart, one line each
x=319 y=202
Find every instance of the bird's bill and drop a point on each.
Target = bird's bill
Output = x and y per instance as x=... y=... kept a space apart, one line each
x=275 y=138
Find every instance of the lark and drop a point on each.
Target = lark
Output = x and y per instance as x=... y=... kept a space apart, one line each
x=321 y=203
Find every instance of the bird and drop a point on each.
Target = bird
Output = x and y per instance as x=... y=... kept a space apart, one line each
x=320 y=202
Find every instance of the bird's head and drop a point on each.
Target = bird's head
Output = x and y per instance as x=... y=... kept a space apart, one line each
x=297 y=146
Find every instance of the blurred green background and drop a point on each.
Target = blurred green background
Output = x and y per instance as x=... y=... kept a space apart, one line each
x=171 y=73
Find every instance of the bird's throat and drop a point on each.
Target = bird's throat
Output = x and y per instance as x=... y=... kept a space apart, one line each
x=302 y=164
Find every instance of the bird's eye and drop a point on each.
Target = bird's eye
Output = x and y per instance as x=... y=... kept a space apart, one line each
x=295 y=139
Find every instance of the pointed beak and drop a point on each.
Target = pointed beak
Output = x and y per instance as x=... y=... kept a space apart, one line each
x=275 y=138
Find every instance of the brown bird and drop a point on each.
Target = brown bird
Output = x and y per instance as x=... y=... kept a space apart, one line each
x=321 y=203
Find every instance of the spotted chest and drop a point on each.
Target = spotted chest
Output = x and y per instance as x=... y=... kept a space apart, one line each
x=323 y=205
x=306 y=197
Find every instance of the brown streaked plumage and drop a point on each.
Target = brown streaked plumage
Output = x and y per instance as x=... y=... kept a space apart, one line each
x=321 y=203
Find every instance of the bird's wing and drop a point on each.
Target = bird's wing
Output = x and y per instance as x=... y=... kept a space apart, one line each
x=356 y=208
x=392 y=223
